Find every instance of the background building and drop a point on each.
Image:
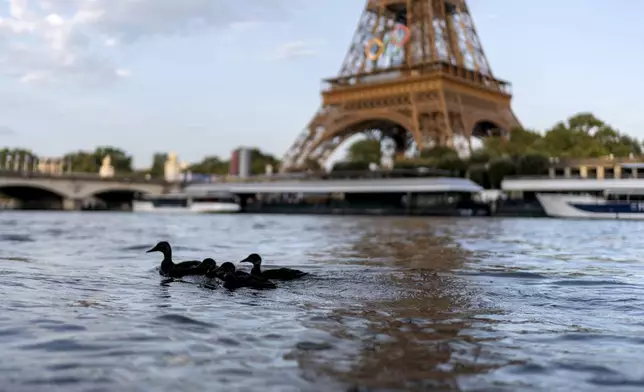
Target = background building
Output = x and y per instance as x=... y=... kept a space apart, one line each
x=240 y=162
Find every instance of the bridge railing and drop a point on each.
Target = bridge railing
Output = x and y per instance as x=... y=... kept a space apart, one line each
x=81 y=176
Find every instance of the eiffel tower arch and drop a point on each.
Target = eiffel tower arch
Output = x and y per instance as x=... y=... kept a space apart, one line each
x=416 y=73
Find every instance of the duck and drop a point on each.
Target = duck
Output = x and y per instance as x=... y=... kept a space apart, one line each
x=203 y=268
x=234 y=279
x=167 y=265
x=276 y=274
x=223 y=270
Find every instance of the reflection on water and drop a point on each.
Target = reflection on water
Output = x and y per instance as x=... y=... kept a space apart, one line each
x=392 y=304
x=416 y=338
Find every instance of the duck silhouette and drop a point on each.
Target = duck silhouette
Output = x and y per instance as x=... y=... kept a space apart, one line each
x=234 y=279
x=276 y=273
x=168 y=266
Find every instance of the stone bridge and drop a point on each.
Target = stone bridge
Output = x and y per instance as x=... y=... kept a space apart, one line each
x=72 y=190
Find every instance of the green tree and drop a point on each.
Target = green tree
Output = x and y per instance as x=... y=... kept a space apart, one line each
x=533 y=165
x=521 y=141
x=120 y=160
x=11 y=158
x=479 y=157
x=438 y=152
x=367 y=150
x=453 y=163
x=260 y=160
x=81 y=162
x=479 y=174
x=210 y=165
x=90 y=162
x=585 y=136
x=564 y=141
x=350 y=166
x=158 y=164
x=499 y=168
x=414 y=163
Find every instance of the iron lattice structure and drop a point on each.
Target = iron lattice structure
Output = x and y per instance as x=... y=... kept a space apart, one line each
x=436 y=86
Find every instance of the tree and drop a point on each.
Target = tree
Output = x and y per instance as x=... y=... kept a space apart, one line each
x=81 y=162
x=210 y=165
x=413 y=163
x=90 y=162
x=17 y=158
x=564 y=141
x=120 y=160
x=158 y=164
x=498 y=169
x=479 y=174
x=350 y=166
x=260 y=160
x=585 y=136
x=581 y=136
x=479 y=157
x=367 y=150
x=521 y=141
x=453 y=163
x=438 y=152
x=533 y=165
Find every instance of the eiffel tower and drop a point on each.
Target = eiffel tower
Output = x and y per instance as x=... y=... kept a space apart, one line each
x=416 y=74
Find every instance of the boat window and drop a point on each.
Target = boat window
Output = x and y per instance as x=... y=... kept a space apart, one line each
x=213 y=199
x=166 y=202
x=617 y=197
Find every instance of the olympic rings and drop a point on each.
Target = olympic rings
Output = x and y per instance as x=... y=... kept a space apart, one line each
x=392 y=38
x=374 y=56
x=406 y=35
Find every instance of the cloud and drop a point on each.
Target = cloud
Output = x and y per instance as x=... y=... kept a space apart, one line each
x=45 y=41
x=294 y=49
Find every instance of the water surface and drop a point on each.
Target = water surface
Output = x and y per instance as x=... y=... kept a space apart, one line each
x=393 y=304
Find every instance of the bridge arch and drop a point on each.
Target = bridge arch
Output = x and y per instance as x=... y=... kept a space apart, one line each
x=111 y=197
x=385 y=121
x=40 y=188
x=99 y=191
x=35 y=196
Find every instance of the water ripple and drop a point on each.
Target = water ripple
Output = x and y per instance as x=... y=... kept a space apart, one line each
x=393 y=304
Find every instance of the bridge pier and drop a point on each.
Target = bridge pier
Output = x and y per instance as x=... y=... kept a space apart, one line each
x=70 y=204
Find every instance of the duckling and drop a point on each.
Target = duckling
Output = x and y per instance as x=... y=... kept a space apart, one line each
x=167 y=264
x=203 y=268
x=278 y=273
x=223 y=270
x=235 y=279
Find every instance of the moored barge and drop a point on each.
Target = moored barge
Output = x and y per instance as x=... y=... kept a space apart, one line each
x=438 y=196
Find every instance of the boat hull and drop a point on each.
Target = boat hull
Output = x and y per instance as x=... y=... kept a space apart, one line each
x=198 y=208
x=589 y=207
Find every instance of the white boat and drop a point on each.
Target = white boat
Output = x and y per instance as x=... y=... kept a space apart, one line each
x=219 y=202
x=614 y=204
x=616 y=198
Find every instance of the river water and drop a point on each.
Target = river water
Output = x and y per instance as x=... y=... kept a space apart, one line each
x=393 y=304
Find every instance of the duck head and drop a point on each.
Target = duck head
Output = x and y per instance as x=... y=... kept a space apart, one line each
x=254 y=259
x=163 y=247
x=227 y=268
x=209 y=263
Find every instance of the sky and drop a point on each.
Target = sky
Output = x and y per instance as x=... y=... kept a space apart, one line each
x=203 y=77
